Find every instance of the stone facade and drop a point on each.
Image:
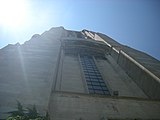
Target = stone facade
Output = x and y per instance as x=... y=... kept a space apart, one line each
x=79 y=75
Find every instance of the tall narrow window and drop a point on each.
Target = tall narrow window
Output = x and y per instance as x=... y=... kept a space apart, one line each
x=95 y=83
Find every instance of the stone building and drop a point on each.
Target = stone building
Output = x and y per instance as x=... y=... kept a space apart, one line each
x=79 y=76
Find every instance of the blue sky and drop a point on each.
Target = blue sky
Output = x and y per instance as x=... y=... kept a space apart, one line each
x=135 y=23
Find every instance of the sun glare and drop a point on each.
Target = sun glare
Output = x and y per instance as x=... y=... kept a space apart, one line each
x=13 y=13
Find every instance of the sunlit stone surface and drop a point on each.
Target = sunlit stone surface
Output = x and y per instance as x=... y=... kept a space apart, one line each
x=47 y=71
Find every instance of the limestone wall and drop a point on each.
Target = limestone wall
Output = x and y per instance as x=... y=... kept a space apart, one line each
x=69 y=106
x=142 y=68
x=117 y=79
x=27 y=70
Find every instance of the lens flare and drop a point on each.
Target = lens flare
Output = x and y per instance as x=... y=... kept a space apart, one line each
x=13 y=13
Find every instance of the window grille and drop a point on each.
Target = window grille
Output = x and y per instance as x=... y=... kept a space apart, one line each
x=94 y=80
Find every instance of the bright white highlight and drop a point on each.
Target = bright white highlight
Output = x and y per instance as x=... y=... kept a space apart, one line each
x=13 y=13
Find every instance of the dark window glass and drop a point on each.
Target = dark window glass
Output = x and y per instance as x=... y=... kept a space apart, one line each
x=102 y=84
x=96 y=83
x=90 y=86
x=104 y=88
x=93 y=77
x=106 y=92
x=89 y=82
x=97 y=87
x=99 y=92
x=91 y=91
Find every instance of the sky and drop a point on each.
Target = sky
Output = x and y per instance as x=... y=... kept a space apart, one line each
x=135 y=23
